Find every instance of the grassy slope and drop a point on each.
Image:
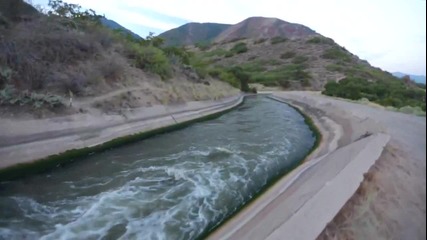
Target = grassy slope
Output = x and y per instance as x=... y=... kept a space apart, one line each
x=310 y=63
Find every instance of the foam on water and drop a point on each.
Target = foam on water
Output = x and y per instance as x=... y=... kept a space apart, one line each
x=173 y=186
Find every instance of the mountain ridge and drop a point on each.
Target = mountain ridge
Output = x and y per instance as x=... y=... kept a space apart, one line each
x=116 y=26
x=253 y=27
x=416 y=78
x=192 y=33
x=261 y=27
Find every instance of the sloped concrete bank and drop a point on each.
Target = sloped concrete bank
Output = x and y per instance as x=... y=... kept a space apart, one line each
x=31 y=146
x=300 y=205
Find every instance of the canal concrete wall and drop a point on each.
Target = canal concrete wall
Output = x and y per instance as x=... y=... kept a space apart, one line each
x=26 y=141
x=300 y=205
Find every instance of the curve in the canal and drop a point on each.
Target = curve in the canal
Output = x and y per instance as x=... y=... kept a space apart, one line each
x=172 y=186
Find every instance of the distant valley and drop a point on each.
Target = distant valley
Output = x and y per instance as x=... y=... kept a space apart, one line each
x=416 y=78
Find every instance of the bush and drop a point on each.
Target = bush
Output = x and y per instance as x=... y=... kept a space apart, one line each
x=243 y=77
x=229 y=78
x=291 y=72
x=203 y=46
x=150 y=58
x=336 y=54
x=334 y=68
x=288 y=55
x=217 y=52
x=252 y=67
x=180 y=53
x=421 y=85
x=10 y=96
x=321 y=40
x=229 y=55
x=300 y=59
x=387 y=93
x=239 y=48
x=277 y=40
x=413 y=110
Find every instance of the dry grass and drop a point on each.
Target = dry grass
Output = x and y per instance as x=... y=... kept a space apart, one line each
x=44 y=54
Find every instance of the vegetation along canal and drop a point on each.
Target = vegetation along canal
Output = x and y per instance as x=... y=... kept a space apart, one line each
x=172 y=186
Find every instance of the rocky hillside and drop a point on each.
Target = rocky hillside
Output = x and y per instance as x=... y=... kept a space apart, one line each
x=192 y=33
x=259 y=28
x=47 y=59
x=299 y=63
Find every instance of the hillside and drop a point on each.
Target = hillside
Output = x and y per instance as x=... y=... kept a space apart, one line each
x=259 y=27
x=193 y=33
x=306 y=63
x=48 y=59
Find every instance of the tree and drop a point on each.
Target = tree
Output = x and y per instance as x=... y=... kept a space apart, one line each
x=73 y=11
x=154 y=41
x=243 y=78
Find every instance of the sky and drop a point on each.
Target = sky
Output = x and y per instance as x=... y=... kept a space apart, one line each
x=390 y=34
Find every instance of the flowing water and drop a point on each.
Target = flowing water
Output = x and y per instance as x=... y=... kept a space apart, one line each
x=172 y=186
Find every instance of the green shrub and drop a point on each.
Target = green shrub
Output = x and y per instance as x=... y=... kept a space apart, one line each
x=271 y=62
x=253 y=67
x=387 y=93
x=300 y=59
x=229 y=55
x=334 y=68
x=10 y=96
x=291 y=72
x=288 y=55
x=243 y=77
x=229 y=78
x=421 y=85
x=239 y=48
x=203 y=46
x=321 y=40
x=277 y=40
x=152 y=59
x=336 y=54
x=224 y=75
x=179 y=52
x=219 y=52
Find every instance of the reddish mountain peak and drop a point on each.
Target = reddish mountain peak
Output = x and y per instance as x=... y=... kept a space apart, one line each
x=260 y=27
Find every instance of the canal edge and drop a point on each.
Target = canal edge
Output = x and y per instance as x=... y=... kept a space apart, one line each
x=319 y=141
x=53 y=161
